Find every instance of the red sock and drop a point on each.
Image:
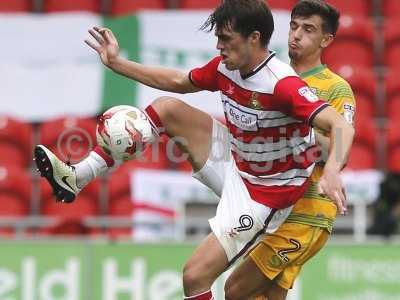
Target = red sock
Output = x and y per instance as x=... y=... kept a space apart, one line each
x=154 y=119
x=203 y=296
x=107 y=158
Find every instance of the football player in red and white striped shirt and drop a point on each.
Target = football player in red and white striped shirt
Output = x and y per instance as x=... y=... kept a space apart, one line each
x=259 y=164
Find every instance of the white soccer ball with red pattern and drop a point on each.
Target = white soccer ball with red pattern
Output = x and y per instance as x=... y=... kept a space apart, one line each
x=124 y=131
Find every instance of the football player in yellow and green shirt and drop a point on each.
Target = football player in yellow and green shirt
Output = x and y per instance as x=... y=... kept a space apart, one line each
x=279 y=257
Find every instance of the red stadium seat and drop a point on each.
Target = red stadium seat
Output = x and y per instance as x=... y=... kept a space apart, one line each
x=393 y=108
x=15 y=182
x=91 y=191
x=121 y=207
x=82 y=207
x=70 y=138
x=65 y=227
x=393 y=133
x=119 y=185
x=211 y=4
x=124 y=7
x=365 y=108
x=15 y=195
x=15 y=142
x=11 y=155
x=70 y=215
x=366 y=132
x=352 y=7
x=13 y=6
x=363 y=153
x=68 y=5
x=362 y=157
x=393 y=145
x=204 y=4
x=393 y=161
x=281 y=4
x=391 y=8
x=392 y=43
x=353 y=44
x=392 y=84
x=393 y=95
x=11 y=206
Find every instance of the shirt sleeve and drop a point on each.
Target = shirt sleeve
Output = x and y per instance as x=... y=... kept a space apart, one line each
x=298 y=100
x=342 y=99
x=206 y=77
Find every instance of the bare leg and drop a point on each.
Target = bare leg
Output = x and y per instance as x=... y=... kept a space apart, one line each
x=276 y=292
x=203 y=268
x=191 y=127
x=246 y=281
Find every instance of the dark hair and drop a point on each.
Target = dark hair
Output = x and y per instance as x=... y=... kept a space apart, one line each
x=243 y=16
x=329 y=14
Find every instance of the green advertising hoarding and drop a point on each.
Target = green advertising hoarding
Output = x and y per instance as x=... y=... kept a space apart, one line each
x=72 y=271
x=117 y=271
x=357 y=272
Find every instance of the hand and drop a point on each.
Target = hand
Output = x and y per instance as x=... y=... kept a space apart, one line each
x=106 y=46
x=331 y=185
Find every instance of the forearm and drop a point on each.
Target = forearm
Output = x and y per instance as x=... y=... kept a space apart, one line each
x=323 y=142
x=156 y=77
x=340 y=141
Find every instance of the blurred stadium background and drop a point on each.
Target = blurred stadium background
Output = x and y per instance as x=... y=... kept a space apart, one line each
x=128 y=234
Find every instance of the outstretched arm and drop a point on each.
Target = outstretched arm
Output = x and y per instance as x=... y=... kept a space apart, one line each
x=106 y=45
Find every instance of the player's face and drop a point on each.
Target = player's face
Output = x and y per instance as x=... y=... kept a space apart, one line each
x=234 y=49
x=306 y=38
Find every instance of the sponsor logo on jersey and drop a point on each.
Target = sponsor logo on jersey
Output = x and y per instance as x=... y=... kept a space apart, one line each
x=307 y=93
x=243 y=120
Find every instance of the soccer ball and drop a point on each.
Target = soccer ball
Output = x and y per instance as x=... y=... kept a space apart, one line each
x=123 y=132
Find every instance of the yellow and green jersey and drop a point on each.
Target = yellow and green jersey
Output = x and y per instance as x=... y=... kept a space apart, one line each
x=314 y=209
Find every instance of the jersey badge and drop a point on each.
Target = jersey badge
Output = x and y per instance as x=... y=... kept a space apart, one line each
x=254 y=103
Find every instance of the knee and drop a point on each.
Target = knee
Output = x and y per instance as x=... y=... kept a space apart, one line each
x=167 y=107
x=194 y=279
x=191 y=277
x=230 y=290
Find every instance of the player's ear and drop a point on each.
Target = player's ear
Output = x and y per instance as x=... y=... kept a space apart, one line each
x=255 y=37
x=327 y=40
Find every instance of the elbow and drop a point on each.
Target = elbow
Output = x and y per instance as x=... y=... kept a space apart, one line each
x=344 y=128
x=178 y=85
x=350 y=133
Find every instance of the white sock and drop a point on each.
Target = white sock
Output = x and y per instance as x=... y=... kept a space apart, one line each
x=89 y=168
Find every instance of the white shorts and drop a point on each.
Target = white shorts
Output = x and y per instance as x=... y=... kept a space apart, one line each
x=239 y=220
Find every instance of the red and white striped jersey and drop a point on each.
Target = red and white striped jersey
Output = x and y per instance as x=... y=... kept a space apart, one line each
x=268 y=113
